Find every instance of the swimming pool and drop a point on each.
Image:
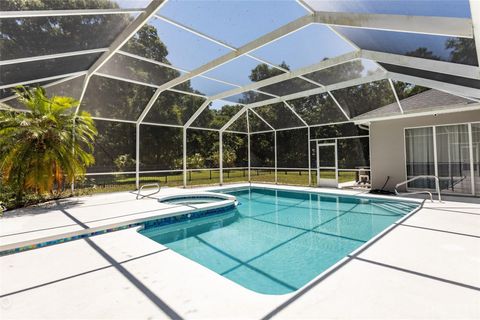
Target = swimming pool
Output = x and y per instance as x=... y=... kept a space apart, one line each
x=276 y=241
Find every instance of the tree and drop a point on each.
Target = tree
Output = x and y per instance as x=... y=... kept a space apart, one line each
x=196 y=161
x=229 y=158
x=463 y=51
x=43 y=147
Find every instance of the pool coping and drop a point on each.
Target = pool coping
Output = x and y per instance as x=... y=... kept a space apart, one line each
x=35 y=243
x=19 y=246
x=327 y=272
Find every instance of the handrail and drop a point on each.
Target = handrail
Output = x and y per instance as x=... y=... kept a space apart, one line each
x=437 y=184
x=148 y=185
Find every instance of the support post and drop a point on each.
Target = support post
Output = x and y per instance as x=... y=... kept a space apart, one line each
x=220 y=156
x=309 y=159
x=137 y=156
x=275 y=149
x=184 y=157
x=248 y=146
x=435 y=156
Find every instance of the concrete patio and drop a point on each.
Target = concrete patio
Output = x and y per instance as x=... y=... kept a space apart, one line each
x=427 y=266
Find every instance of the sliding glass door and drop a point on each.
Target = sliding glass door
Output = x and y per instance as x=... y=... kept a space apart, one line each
x=453 y=158
x=420 y=157
x=476 y=156
x=451 y=152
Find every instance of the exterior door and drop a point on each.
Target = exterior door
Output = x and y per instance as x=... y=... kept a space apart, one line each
x=327 y=165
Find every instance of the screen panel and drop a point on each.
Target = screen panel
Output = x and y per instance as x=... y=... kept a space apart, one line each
x=442 y=8
x=297 y=49
x=109 y=98
x=353 y=153
x=233 y=22
x=216 y=114
x=27 y=71
x=202 y=149
x=171 y=179
x=287 y=87
x=161 y=148
x=279 y=116
x=292 y=148
x=203 y=86
x=69 y=88
x=38 y=36
x=457 y=50
x=437 y=76
x=243 y=70
x=114 y=147
x=257 y=124
x=100 y=183
x=262 y=150
x=138 y=70
x=365 y=97
x=248 y=97
x=239 y=125
x=12 y=5
x=173 y=108
x=164 y=42
x=317 y=109
x=235 y=150
x=337 y=131
x=346 y=71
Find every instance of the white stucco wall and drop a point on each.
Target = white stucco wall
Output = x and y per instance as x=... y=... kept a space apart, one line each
x=387 y=144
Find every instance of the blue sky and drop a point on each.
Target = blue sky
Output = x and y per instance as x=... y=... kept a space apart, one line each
x=185 y=49
x=208 y=87
x=396 y=42
x=233 y=22
x=442 y=8
x=307 y=46
x=236 y=71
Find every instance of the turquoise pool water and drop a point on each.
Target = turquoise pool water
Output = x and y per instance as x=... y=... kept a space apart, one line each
x=275 y=241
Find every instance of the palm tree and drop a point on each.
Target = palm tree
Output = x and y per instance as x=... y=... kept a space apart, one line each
x=48 y=144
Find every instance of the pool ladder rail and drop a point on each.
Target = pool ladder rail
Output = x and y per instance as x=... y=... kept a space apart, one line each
x=437 y=186
x=141 y=196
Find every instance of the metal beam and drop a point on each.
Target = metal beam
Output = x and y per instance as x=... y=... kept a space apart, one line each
x=286 y=76
x=475 y=10
x=121 y=39
x=336 y=86
x=197 y=113
x=345 y=113
x=456 y=69
x=255 y=44
x=150 y=104
x=72 y=74
x=233 y=119
x=57 y=13
x=295 y=113
x=52 y=56
x=48 y=85
x=443 y=86
x=261 y=118
x=444 y=26
x=392 y=87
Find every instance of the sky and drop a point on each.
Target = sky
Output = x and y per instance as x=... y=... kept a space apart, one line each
x=441 y=8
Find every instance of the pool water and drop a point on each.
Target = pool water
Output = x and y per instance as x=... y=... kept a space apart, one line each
x=276 y=241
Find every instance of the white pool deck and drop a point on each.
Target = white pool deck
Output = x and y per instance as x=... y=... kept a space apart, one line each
x=426 y=267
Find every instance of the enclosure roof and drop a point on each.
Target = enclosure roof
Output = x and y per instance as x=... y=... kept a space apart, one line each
x=206 y=64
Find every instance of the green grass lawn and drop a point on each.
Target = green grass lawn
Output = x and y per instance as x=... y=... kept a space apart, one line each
x=114 y=183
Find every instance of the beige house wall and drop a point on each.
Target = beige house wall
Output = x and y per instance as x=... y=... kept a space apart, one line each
x=387 y=144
